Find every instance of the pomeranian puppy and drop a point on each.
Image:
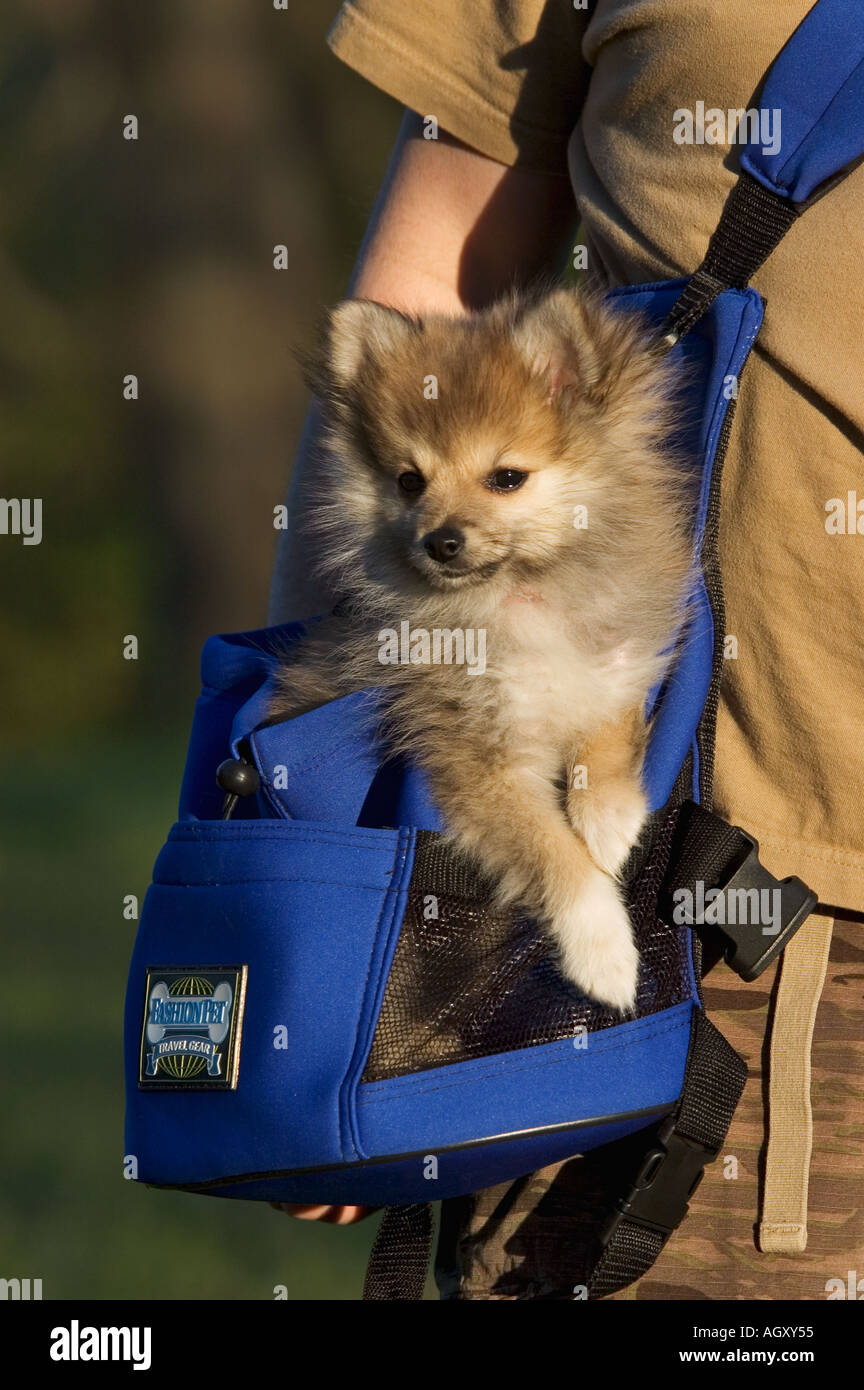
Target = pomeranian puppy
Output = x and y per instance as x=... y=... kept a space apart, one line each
x=506 y=477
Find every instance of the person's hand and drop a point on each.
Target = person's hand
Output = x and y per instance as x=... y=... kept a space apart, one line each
x=331 y=1216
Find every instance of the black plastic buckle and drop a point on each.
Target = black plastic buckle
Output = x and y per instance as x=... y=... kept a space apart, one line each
x=754 y=912
x=669 y=1174
x=753 y=944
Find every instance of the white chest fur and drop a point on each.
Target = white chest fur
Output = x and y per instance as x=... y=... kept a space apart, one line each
x=551 y=684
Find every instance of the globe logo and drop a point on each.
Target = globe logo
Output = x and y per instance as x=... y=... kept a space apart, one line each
x=188 y=1018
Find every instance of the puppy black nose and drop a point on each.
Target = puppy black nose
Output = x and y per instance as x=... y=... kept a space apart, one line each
x=444 y=544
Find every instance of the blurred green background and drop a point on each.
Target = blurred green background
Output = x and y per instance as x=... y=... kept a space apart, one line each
x=152 y=257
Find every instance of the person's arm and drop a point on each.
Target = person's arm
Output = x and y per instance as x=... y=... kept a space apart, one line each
x=450 y=232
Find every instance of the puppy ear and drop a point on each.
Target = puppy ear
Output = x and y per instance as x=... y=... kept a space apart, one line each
x=558 y=374
x=360 y=328
x=552 y=340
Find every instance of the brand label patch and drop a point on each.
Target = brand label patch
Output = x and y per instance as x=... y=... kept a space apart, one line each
x=193 y=1016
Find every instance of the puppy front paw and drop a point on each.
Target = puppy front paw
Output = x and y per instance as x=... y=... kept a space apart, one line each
x=609 y=822
x=595 y=941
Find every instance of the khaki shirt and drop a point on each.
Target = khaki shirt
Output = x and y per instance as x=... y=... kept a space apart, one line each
x=542 y=86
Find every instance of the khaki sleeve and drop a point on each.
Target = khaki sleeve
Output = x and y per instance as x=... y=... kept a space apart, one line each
x=506 y=76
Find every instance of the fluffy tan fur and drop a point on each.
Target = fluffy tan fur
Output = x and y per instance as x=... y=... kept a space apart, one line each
x=535 y=762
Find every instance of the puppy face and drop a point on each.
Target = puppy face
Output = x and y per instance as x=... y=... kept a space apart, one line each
x=461 y=490
x=464 y=451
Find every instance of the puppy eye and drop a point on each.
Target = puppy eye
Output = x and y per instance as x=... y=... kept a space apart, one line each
x=411 y=482
x=506 y=479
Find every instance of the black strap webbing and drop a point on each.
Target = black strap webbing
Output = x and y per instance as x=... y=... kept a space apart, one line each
x=400 y=1256
x=657 y=1202
x=754 y=221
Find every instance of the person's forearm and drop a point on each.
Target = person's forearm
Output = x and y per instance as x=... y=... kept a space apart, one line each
x=452 y=229
x=450 y=232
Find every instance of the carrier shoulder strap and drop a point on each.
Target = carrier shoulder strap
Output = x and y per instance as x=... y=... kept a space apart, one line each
x=816 y=87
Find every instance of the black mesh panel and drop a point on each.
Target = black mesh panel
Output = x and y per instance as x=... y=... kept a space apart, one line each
x=467 y=982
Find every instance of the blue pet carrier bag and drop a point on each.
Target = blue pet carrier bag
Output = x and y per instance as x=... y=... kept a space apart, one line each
x=322 y=1006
